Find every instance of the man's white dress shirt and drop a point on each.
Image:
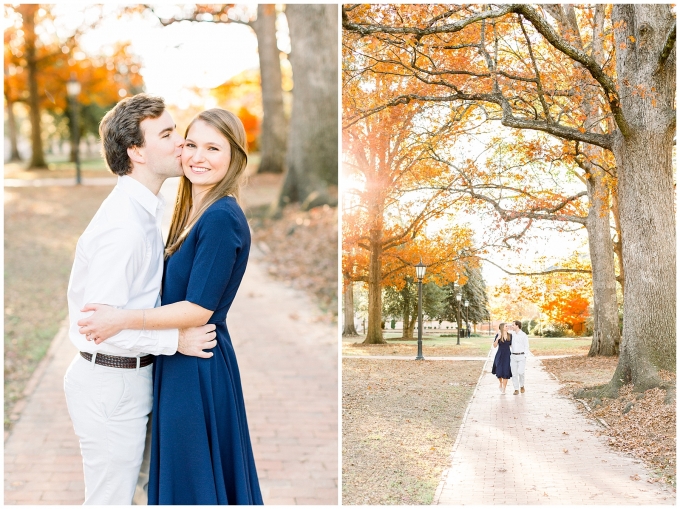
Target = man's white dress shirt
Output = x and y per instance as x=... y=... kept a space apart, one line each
x=520 y=342
x=119 y=262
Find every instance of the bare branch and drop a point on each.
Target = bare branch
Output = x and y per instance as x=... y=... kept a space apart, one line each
x=541 y=273
x=539 y=85
x=508 y=120
x=667 y=48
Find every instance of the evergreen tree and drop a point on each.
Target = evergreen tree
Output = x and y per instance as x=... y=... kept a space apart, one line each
x=403 y=304
x=474 y=291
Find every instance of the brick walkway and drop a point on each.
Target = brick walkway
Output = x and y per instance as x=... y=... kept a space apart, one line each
x=289 y=368
x=537 y=448
x=288 y=363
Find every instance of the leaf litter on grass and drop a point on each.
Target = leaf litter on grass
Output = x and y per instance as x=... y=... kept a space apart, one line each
x=400 y=420
x=301 y=248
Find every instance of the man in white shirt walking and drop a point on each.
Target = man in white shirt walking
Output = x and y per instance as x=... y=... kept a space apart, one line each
x=519 y=349
x=119 y=262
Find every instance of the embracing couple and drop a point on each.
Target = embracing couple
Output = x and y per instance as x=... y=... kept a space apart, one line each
x=511 y=356
x=138 y=351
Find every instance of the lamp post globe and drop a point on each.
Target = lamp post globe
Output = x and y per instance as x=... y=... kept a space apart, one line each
x=73 y=87
x=73 y=90
x=420 y=274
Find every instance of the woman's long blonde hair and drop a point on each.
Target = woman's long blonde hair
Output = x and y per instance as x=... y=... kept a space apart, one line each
x=229 y=126
x=501 y=328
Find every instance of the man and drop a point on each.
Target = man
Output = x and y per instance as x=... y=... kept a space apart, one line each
x=519 y=350
x=119 y=262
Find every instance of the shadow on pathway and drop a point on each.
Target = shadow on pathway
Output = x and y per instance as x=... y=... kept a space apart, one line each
x=537 y=448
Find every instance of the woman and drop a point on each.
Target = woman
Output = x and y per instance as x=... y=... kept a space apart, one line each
x=201 y=451
x=501 y=363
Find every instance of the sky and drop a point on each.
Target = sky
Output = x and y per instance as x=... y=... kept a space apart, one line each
x=178 y=57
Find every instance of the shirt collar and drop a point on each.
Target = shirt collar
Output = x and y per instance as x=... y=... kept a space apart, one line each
x=151 y=202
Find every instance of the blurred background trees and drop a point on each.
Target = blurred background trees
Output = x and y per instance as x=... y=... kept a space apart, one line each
x=287 y=101
x=40 y=57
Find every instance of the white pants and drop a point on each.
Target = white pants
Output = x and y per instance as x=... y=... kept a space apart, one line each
x=517 y=365
x=109 y=408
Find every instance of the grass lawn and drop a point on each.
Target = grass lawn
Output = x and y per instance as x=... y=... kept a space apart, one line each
x=42 y=226
x=399 y=422
x=437 y=346
x=92 y=167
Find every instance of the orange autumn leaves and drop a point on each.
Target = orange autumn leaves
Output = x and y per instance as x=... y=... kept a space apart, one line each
x=562 y=298
x=398 y=202
x=102 y=77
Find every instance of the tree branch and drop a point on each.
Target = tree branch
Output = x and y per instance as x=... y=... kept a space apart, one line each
x=508 y=119
x=365 y=29
x=511 y=215
x=542 y=26
x=667 y=48
x=542 y=273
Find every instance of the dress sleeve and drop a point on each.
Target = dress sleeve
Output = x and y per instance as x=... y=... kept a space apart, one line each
x=219 y=241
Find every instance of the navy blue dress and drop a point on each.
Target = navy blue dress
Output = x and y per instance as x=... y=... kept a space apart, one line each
x=501 y=363
x=200 y=451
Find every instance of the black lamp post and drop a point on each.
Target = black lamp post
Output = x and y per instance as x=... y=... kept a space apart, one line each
x=467 y=318
x=420 y=274
x=458 y=297
x=73 y=90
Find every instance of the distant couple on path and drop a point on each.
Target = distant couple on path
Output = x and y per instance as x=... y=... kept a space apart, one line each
x=511 y=357
x=139 y=351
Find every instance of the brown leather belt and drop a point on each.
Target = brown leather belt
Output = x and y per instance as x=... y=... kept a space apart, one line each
x=113 y=361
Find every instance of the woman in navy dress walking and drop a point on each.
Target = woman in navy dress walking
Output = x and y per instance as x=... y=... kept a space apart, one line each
x=501 y=363
x=201 y=451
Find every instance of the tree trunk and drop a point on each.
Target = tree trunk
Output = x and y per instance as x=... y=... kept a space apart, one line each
x=374 y=331
x=348 y=328
x=410 y=315
x=459 y=321
x=28 y=13
x=312 y=159
x=643 y=154
x=606 y=336
x=273 y=135
x=12 y=132
x=74 y=146
x=411 y=326
x=407 y=331
x=618 y=248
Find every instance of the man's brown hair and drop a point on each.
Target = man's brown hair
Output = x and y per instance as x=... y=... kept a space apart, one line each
x=120 y=129
x=519 y=324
